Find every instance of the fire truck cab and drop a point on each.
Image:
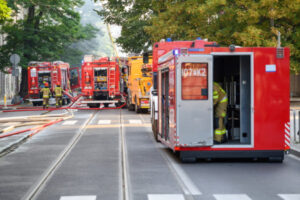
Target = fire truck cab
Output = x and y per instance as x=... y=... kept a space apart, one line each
x=256 y=81
x=101 y=83
x=50 y=72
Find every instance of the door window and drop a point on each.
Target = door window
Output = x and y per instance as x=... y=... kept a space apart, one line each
x=194 y=81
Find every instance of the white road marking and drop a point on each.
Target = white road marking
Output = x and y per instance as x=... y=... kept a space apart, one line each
x=188 y=186
x=232 y=197
x=135 y=121
x=104 y=122
x=290 y=196
x=294 y=157
x=78 y=198
x=70 y=122
x=165 y=197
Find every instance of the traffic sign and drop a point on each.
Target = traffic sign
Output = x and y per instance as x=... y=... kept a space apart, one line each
x=14 y=59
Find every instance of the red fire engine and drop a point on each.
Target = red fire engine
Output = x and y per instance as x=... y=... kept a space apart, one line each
x=256 y=81
x=101 y=83
x=50 y=72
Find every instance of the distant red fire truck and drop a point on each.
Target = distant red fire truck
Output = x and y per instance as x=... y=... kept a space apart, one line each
x=50 y=72
x=101 y=83
x=256 y=81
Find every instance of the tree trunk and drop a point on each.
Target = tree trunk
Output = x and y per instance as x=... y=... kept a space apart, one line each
x=29 y=26
x=24 y=83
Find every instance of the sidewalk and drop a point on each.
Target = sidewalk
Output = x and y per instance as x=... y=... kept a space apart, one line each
x=295 y=149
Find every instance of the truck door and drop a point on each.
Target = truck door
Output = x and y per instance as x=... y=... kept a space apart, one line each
x=194 y=100
x=74 y=78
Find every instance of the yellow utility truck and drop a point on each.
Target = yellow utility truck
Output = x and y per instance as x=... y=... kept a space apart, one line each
x=139 y=83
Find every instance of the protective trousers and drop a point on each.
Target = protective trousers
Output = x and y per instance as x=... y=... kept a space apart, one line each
x=220 y=114
x=45 y=102
x=58 y=100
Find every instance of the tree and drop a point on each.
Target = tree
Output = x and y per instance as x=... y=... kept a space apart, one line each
x=45 y=34
x=4 y=11
x=240 y=22
x=132 y=16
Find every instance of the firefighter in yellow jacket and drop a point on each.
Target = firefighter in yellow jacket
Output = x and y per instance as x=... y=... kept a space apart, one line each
x=58 y=95
x=220 y=109
x=46 y=95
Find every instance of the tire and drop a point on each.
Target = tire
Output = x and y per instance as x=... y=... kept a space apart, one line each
x=106 y=105
x=34 y=103
x=64 y=102
x=136 y=107
x=154 y=124
x=278 y=159
x=93 y=105
x=130 y=106
x=188 y=159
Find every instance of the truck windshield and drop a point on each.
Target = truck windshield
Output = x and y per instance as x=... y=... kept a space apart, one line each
x=194 y=81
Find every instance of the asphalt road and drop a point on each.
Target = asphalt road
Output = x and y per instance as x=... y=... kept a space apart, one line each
x=110 y=154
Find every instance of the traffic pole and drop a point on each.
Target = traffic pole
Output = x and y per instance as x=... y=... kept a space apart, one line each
x=5 y=103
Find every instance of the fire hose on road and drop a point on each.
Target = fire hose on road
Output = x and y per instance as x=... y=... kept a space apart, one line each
x=71 y=106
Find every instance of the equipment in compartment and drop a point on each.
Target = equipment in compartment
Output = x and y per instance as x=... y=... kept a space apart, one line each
x=100 y=78
x=233 y=74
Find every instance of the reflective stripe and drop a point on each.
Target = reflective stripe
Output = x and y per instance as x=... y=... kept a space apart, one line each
x=45 y=96
x=223 y=114
x=225 y=99
x=215 y=93
x=216 y=96
x=220 y=132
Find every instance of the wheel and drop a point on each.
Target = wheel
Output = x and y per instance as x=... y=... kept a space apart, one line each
x=64 y=102
x=93 y=105
x=136 y=107
x=118 y=104
x=154 y=130
x=278 y=159
x=130 y=106
x=188 y=159
x=106 y=105
x=34 y=103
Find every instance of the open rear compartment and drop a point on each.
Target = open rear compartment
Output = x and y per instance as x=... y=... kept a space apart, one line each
x=233 y=73
x=44 y=76
x=100 y=83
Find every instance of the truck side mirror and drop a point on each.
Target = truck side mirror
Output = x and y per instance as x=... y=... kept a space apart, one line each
x=145 y=58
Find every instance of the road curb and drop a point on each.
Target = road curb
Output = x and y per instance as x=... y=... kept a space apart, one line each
x=295 y=152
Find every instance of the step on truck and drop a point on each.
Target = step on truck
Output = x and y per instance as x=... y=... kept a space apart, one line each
x=101 y=83
x=256 y=81
x=139 y=83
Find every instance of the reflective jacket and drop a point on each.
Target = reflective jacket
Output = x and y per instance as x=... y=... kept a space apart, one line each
x=46 y=92
x=58 y=91
x=219 y=94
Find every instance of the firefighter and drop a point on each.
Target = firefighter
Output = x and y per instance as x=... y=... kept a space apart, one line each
x=58 y=95
x=46 y=95
x=220 y=109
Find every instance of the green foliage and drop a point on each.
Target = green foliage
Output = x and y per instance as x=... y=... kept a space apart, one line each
x=46 y=32
x=240 y=22
x=132 y=16
x=4 y=11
